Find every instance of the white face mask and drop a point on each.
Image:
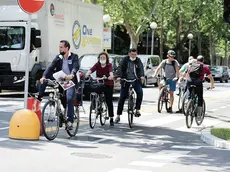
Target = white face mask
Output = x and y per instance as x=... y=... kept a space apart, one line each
x=132 y=59
x=102 y=61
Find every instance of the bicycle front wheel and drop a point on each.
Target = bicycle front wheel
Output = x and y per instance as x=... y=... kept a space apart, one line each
x=76 y=122
x=160 y=100
x=104 y=113
x=189 y=114
x=130 y=109
x=50 y=120
x=93 y=112
x=180 y=101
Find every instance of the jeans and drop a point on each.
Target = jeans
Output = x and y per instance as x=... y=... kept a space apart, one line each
x=108 y=91
x=124 y=93
x=68 y=98
x=198 y=90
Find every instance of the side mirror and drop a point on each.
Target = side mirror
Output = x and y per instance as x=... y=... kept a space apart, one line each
x=38 y=43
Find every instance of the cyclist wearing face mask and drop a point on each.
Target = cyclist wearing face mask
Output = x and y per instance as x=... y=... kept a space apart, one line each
x=103 y=67
x=130 y=68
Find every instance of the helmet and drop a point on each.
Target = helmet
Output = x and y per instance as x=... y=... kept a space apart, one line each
x=171 y=53
x=200 y=58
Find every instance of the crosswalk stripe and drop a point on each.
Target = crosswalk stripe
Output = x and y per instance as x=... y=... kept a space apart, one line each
x=127 y=170
x=147 y=164
x=161 y=121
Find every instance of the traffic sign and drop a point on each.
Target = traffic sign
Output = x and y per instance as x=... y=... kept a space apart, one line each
x=31 y=6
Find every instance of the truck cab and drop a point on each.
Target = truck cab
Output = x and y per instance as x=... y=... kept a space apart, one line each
x=13 y=33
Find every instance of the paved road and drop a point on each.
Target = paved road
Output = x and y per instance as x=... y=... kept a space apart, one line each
x=158 y=142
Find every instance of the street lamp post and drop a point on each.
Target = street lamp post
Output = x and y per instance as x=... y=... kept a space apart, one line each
x=106 y=19
x=190 y=37
x=153 y=26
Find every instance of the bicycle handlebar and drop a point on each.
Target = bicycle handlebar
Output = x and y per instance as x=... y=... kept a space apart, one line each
x=128 y=80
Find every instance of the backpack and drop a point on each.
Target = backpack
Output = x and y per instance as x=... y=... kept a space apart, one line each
x=173 y=64
x=195 y=70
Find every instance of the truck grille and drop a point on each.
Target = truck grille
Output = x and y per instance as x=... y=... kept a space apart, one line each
x=5 y=67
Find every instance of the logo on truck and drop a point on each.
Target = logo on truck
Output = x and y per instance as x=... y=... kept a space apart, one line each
x=76 y=34
x=52 y=9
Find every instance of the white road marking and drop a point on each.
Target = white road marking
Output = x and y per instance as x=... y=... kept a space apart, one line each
x=4 y=128
x=147 y=164
x=127 y=170
x=162 y=121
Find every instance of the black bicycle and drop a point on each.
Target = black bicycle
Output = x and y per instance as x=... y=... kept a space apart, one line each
x=57 y=115
x=191 y=110
x=163 y=97
x=98 y=106
x=131 y=101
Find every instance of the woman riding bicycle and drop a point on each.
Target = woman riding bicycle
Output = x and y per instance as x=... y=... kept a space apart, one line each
x=104 y=68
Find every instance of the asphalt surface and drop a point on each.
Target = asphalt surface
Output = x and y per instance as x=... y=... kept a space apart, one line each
x=157 y=142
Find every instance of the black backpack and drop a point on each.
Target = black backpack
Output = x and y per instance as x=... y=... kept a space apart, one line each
x=195 y=70
x=173 y=64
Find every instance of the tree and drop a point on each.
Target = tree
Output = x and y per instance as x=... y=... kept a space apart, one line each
x=134 y=15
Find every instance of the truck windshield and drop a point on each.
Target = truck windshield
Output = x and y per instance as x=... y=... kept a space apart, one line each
x=12 y=38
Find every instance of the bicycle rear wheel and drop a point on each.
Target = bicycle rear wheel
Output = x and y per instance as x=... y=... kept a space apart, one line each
x=189 y=114
x=52 y=117
x=200 y=121
x=130 y=110
x=160 y=100
x=76 y=122
x=93 y=112
x=104 y=113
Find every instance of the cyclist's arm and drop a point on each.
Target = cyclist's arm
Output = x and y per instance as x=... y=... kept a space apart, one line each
x=158 y=68
x=211 y=80
x=75 y=65
x=120 y=68
x=141 y=66
x=93 y=69
x=111 y=71
x=51 y=67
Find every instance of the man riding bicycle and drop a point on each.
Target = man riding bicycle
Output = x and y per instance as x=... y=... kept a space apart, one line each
x=130 y=68
x=171 y=70
x=195 y=75
x=68 y=63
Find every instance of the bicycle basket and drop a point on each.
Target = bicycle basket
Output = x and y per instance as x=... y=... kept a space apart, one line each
x=96 y=87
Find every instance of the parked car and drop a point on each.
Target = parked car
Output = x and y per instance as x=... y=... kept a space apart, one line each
x=219 y=73
x=150 y=63
x=88 y=60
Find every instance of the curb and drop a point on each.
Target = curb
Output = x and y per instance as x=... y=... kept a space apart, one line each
x=208 y=138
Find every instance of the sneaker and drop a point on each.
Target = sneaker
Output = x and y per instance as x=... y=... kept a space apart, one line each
x=117 y=120
x=69 y=125
x=169 y=110
x=111 y=122
x=137 y=114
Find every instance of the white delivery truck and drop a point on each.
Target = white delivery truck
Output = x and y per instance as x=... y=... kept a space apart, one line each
x=78 y=22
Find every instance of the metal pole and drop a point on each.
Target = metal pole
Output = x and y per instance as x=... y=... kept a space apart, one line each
x=147 y=46
x=27 y=61
x=189 y=48
x=152 y=47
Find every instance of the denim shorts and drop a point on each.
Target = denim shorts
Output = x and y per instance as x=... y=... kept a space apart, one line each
x=172 y=84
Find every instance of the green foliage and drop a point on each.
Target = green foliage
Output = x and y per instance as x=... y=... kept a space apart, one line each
x=223 y=133
x=197 y=17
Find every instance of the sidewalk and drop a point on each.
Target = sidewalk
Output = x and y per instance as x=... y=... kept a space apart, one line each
x=208 y=138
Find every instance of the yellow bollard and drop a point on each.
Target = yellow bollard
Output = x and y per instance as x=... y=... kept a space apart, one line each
x=24 y=125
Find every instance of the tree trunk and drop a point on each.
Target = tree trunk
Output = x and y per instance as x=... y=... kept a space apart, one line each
x=162 y=29
x=134 y=38
x=210 y=49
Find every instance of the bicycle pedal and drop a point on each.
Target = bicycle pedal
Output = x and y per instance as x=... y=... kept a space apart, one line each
x=107 y=118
